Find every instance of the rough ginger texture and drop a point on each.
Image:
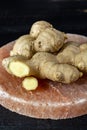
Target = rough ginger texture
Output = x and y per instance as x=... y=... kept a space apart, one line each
x=81 y=61
x=38 y=27
x=68 y=52
x=83 y=47
x=23 y=46
x=74 y=54
x=50 y=40
x=42 y=65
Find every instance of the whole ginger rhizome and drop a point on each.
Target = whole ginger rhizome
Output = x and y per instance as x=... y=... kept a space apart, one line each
x=44 y=54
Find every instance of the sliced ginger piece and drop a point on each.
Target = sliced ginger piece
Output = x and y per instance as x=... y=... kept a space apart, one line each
x=30 y=83
x=16 y=65
x=19 y=69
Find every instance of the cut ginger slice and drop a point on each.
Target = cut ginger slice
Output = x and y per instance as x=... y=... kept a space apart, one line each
x=30 y=83
x=19 y=69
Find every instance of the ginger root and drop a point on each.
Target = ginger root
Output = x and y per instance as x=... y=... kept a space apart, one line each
x=68 y=53
x=81 y=61
x=83 y=47
x=30 y=83
x=32 y=56
x=38 y=27
x=44 y=65
x=49 y=40
x=74 y=55
x=23 y=46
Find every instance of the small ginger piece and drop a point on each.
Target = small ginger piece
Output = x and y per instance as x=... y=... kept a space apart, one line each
x=23 y=46
x=38 y=27
x=49 y=40
x=30 y=83
x=45 y=66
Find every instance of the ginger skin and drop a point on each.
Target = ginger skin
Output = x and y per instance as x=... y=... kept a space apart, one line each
x=74 y=55
x=23 y=46
x=68 y=52
x=81 y=61
x=83 y=47
x=38 y=27
x=44 y=65
x=50 y=40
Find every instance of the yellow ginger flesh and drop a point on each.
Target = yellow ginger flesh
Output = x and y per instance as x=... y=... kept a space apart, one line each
x=30 y=83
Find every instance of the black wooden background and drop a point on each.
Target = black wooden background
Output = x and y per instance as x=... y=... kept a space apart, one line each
x=16 y=17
